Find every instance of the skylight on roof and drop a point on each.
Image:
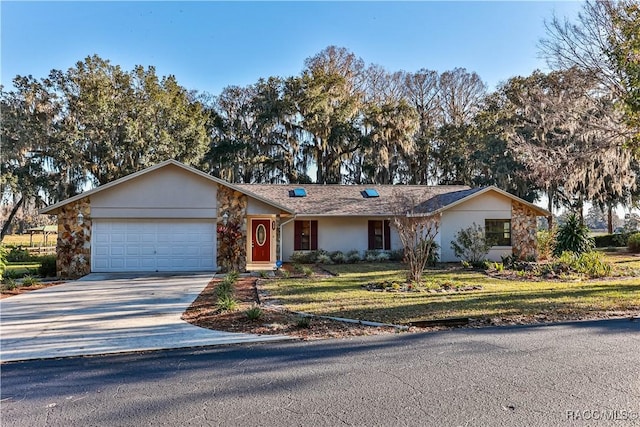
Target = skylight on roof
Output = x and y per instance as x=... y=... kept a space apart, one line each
x=298 y=192
x=370 y=193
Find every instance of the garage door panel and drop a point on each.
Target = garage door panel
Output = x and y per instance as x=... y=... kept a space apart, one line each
x=153 y=245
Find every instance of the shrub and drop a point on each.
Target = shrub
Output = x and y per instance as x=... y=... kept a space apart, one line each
x=224 y=289
x=634 y=243
x=396 y=255
x=545 y=240
x=232 y=276
x=9 y=283
x=573 y=236
x=353 y=256
x=303 y=322
x=592 y=264
x=30 y=281
x=471 y=244
x=285 y=273
x=304 y=257
x=338 y=257
x=434 y=255
x=227 y=303
x=371 y=255
x=254 y=313
x=17 y=254
x=308 y=272
x=324 y=259
x=611 y=240
x=565 y=261
x=383 y=256
x=47 y=266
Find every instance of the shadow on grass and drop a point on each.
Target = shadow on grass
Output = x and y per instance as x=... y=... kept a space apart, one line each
x=398 y=308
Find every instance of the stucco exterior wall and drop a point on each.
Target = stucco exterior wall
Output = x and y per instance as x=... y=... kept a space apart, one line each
x=337 y=234
x=486 y=206
x=256 y=207
x=73 y=247
x=169 y=192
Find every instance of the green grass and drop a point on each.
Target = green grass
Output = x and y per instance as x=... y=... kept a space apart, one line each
x=23 y=240
x=343 y=296
x=20 y=269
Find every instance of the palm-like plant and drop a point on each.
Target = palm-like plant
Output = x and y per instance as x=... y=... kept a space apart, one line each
x=574 y=237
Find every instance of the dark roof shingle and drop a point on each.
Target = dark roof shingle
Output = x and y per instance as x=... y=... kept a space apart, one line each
x=347 y=200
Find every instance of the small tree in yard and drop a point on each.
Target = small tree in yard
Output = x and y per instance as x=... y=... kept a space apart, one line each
x=417 y=232
x=471 y=244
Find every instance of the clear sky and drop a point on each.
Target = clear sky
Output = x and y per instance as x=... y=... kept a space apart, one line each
x=210 y=45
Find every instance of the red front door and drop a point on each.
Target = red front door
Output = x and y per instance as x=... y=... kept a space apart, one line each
x=260 y=240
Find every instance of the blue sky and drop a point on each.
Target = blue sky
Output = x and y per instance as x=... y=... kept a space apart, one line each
x=210 y=45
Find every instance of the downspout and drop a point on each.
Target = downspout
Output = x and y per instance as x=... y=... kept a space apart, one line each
x=282 y=225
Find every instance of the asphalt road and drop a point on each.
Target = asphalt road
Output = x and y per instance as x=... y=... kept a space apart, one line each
x=573 y=374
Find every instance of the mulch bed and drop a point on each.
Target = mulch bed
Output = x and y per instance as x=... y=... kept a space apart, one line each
x=6 y=293
x=274 y=321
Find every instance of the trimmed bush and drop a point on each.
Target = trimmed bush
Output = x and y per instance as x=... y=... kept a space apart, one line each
x=634 y=243
x=353 y=256
x=383 y=256
x=47 y=266
x=396 y=255
x=324 y=259
x=371 y=255
x=337 y=257
x=611 y=240
x=304 y=257
x=17 y=254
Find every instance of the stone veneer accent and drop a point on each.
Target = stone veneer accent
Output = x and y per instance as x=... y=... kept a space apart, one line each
x=232 y=253
x=74 y=240
x=524 y=226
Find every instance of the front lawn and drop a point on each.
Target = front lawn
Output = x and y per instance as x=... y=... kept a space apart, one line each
x=344 y=295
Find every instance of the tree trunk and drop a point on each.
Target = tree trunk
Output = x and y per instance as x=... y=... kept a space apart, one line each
x=609 y=218
x=5 y=226
x=550 y=209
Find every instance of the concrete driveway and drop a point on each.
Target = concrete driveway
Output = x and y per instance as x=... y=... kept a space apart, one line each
x=107 y=313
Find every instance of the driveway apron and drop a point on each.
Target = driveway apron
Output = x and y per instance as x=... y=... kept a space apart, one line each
x=107 y=313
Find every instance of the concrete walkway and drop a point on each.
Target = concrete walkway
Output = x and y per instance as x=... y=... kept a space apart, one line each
x=107 y=313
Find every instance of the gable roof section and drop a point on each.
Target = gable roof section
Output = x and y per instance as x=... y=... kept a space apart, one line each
x=454 y=201
x=347 y=200
x=53 y=209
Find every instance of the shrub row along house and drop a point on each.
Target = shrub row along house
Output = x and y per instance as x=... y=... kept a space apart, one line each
x=171 y=217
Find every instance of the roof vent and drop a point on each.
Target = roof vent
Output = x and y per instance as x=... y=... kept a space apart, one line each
x=297 y=192
x=369 y=193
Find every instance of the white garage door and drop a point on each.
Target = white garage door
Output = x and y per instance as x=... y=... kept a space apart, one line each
x=153 y=245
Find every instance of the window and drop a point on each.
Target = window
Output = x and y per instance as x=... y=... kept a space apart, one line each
x=379 y=235
x=499 y=231
x=298 y=192
x=305 y=235
x=370 y=193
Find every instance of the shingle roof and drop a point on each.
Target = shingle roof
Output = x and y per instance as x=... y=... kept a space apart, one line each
x=347 y=200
